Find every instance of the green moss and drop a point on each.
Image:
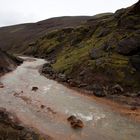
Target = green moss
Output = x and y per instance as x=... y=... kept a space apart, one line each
x=70 y=57
x=76 y=44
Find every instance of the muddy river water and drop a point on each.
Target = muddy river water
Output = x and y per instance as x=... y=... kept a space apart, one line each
x=48 y=108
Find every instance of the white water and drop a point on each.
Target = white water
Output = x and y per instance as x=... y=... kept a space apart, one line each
x=101 y=123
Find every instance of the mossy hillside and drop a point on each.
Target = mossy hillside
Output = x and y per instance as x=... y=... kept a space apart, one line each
x=112 y=64
x=70 y=57
x=73 y=48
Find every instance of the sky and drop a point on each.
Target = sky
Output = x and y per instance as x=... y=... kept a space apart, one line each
x=24 y=11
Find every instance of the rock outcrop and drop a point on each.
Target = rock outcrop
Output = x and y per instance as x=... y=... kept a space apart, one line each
x=8 y=62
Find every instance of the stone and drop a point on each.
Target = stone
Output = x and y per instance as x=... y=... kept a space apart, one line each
x=51 y=110
x=119 y=13
x=42 y=106
x=82 y=85
x=47 y=69
x=117 y=89
x=62 y=77
x=133 y=108
x=98 y=90
x=74 y=122
x=138 y=94
x=135 y=61
x=1 y=85
x=96 y=53
x=34 y=88
x=103 y=32
x=129 y=46
x=77 y=124
x=71 y=118
x=82 y=73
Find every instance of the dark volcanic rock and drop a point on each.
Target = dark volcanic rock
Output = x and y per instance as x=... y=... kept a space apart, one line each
x=129 y=46
x=34 y=88
x=96 y=53
x=135 y=61
x=103 y=32
x=117 y=89
x=42 y=106
x=47 y=69
x=71 y=118
x=98 y=90
x=62 y=77
x=1 y=85
x=119 y=13
x=75 y=123
x=136 y=8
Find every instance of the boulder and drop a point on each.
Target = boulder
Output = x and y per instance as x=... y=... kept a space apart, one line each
x=47 y=69
x=62 y=77
x=119 y=13
x=117 y=89
x=128 y=46
x=82 y=73
x=135 y=61
x=75 y=123
x=1 y=85
x=34 y=88
x=71 y=118
x=98 y=90
x=96 y=53
x=42 y=106
x=103 y=32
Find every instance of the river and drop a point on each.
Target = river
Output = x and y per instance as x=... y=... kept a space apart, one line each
x=48 y=108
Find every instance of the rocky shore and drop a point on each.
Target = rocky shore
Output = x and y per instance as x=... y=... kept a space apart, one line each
x=116 y=92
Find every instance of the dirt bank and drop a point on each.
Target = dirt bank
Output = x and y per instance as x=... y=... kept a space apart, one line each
x=12 y=129
x=8 y=62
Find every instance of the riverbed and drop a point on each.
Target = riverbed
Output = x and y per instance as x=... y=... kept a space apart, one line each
x=48 y=108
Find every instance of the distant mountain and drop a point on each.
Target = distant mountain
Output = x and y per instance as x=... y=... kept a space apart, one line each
x=16 y=38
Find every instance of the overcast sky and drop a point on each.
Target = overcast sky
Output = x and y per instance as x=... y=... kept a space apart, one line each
x=21 y=11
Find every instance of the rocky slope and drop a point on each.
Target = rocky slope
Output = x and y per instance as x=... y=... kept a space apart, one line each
x=102 y=56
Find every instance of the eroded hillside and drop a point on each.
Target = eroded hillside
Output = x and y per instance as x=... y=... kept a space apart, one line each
x=104 y=51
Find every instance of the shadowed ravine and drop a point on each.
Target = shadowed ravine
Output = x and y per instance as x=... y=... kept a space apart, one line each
x=47 y=109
